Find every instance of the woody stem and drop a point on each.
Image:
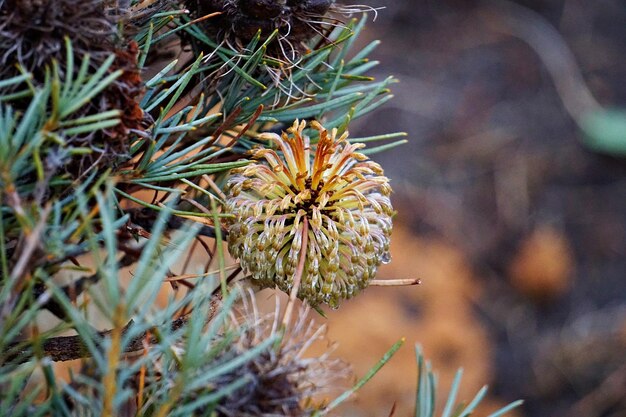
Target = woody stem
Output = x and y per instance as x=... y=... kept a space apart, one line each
x=299 y=271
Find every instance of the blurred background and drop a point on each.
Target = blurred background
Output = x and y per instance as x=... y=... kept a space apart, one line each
x=511 y=206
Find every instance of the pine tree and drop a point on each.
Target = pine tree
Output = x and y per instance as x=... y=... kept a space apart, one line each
x=135 y=134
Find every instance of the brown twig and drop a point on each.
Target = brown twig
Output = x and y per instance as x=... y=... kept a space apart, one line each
x=248 y=125
x=298 y=277
x=33 y=240
x=67 y=348
x=395 y=282
x=73 y=289
x=214 y=187
x=146 y=218
x=181 y=277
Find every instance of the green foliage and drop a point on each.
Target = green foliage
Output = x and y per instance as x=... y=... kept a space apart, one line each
x=327 y=82
x=426 y=398
x=50 y=122
x=180 y=365
x=359 y=384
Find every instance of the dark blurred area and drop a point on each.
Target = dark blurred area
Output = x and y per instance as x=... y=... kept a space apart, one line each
x=497 y=167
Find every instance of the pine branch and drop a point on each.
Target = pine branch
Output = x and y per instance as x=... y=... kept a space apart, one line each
x=74 y=289
x=67 y=348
